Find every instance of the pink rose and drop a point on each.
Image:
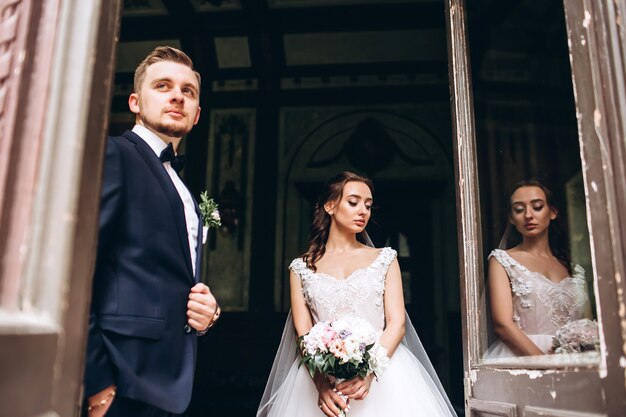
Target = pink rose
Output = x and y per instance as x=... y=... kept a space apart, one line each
x=328 y=336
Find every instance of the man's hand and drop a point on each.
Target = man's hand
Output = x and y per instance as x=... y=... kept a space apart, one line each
x=201 y=307
x=99 y=403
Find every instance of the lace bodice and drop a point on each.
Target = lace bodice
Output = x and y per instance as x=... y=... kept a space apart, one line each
x=541 y=306
x=360 y=294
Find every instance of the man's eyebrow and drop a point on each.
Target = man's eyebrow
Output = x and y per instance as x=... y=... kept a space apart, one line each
x=169 y=80
x=161 y=80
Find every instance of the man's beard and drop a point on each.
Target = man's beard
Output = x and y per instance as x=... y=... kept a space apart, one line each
x=169 y=131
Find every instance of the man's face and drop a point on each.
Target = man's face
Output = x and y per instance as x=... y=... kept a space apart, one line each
x=168 y=101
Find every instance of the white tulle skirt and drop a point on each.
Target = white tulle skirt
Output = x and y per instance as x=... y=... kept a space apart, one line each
x=403 y=390
x=499 y=350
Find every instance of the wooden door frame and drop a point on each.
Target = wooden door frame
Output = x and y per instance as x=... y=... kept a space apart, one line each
x=62 y=61
x=69 y=382
x=596 y=41
x=597 y=44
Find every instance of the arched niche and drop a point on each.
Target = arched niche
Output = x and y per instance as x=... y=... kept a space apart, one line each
x=407 y=155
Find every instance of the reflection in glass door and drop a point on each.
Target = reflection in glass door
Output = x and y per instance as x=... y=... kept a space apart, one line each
x=515 y=119
x=539 y=281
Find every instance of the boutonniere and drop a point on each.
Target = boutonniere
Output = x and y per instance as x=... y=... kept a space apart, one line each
x=210 y=214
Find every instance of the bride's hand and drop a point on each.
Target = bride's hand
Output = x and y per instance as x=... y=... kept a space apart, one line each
x=356 y=388
x=329 y=401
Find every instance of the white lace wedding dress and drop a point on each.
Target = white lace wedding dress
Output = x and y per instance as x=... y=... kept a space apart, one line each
x=409 y=387
x=540 y=306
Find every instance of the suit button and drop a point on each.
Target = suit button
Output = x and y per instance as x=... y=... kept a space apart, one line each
x=187 y=328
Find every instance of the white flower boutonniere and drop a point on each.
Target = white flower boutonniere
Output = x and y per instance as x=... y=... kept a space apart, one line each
x=210 y=214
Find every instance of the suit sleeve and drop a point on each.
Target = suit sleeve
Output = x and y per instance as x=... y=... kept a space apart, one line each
x=99 y=369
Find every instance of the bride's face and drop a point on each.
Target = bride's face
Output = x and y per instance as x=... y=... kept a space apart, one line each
x=353 y=209
x=530 y=213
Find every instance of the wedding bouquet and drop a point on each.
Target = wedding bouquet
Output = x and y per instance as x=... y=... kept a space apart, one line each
x=210 y=214
x=343 y=349
x=577 y=336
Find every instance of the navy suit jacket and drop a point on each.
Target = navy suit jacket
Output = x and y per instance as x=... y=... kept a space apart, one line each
x=138 y=333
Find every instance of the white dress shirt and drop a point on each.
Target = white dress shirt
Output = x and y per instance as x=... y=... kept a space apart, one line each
x=191 y=218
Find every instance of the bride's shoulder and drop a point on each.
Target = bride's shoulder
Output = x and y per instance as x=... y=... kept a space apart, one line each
x=374 y=253
x=369 y=249
x=373 y=249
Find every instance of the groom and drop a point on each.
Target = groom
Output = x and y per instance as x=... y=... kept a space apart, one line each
x=148 y=306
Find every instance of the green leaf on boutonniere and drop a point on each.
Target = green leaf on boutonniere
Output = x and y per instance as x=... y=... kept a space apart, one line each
x=209 y=212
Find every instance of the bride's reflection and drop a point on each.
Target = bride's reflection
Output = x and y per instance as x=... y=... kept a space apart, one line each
x=526 y=127
x=536 y=294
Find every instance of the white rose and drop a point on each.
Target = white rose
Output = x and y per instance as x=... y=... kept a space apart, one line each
x=379 y=361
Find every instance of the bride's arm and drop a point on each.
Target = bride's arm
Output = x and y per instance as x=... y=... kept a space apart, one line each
x=501 y=302
x=302 y=320
x=328 y=400
x=394 y=309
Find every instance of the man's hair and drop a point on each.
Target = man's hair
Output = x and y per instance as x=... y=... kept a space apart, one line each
x=162 y=53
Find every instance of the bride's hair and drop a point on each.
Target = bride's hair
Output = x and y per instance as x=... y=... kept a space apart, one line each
x=320 y=226
x=558 y=238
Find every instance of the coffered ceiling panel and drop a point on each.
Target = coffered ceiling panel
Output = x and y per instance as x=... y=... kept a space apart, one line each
x=130 y=54
x=364 y=47
x=232 y=52
x=144 y=8
x=215 y=5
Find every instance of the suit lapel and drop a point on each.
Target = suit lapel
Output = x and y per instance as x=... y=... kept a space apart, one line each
x=198 y=242
x=164 y=180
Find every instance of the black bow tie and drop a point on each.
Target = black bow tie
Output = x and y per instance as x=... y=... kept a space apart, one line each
x=168 y=155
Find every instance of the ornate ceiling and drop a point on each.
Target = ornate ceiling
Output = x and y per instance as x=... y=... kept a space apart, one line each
x=294 y=42
x=287 y=45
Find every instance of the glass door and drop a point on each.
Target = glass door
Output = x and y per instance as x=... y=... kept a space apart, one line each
x=531 y=342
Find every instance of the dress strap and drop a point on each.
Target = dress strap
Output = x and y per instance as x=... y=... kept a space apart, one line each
x=384 y=259
x=579 y=271
x=511 y=266
x=502 y=257
x=299 y=267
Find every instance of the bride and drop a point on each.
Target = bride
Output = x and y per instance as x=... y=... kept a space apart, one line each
x=339 y=276
x=534 y=289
